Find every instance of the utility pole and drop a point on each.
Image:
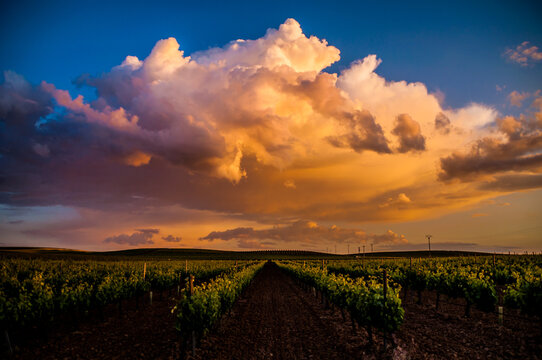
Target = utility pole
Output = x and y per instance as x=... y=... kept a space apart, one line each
x=428 y=237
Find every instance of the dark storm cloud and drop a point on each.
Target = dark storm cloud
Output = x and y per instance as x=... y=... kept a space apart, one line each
x=148 y=231
x=304 y=231
x=409 y=133
x=361 y=132
x=513 y=183
x=519 y=149
x=140 y=237
x=171 y=238
x=442 y=123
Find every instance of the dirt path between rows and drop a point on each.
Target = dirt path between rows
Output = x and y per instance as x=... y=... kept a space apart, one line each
x=276 y=319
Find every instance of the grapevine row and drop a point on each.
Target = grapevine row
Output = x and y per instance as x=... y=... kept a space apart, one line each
x=200 y=307
x=35 y=292
x=364 y=299
x=476 y=282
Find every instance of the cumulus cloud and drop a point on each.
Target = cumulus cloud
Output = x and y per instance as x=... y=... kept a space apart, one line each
x=401 y=200
x=507 y=183
x=387 y=99
x=140 y=237
x=516 y=98
x=137 y=158
x=171 y=238
x=148 y=231
x=21 y=108
x=208 y=111
x=442 y=123
x=409 y=133
x=517 y=147
x=290 y=184
x=362 y=133
x=41 y=150
x=287 y=46
x=524 y=54
x=305 y=231
x=219 y=113
x=491 y=156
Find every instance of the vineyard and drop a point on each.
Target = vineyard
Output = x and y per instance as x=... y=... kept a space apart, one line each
x=381 y=308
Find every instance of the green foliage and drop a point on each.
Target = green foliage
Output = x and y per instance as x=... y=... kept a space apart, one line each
x=36 y=291
x=199 y=311
x=364 y=299
x=472 y=278
x=526 y=294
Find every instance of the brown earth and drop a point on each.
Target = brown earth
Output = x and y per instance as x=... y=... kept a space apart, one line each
x=448 y=334
x=144 y=333
x=276 y=319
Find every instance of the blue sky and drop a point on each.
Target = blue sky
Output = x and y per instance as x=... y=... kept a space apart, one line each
x=453 y=47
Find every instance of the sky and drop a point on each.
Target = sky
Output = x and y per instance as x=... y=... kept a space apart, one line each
x=254 y=125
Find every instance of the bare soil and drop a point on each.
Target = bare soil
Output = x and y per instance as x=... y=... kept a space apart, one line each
x=147 y=332
x=448 y=333
x=276 y=319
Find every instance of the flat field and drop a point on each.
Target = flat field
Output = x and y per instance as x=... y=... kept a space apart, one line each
x=62 y=304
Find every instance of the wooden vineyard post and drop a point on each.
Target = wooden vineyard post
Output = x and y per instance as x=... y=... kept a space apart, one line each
x=6 y=335
x=144 y=270
x=500 y=315
x=411 y=261
x=385 y=289
x=180 y=282
x=322 y=264
x=186 y=266
x=137 y=293
x=191 y=289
